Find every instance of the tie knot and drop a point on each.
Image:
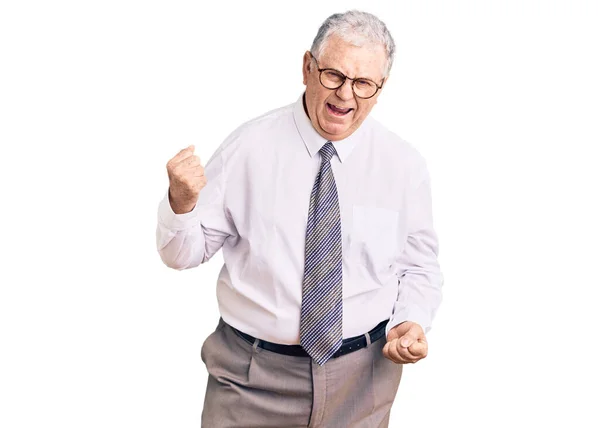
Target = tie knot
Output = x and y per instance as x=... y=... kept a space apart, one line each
x=327 y=151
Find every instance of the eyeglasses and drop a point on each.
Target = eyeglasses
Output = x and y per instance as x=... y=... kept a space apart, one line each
x=331 y=78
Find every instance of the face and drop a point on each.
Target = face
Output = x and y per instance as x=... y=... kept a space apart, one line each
x=337 y=113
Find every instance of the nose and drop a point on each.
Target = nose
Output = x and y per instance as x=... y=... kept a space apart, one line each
x=345 y=92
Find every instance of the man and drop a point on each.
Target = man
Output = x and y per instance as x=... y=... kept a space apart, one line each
x=331 y=278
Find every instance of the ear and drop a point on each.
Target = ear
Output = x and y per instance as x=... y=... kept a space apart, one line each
x=306 y=60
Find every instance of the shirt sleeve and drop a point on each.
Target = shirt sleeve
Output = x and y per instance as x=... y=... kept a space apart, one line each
x=187 y=240
x=419 y=277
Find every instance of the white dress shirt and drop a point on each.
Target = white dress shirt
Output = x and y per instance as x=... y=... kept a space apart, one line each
x=255 y=206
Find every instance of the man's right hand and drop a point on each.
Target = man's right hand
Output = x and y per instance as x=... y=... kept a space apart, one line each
x=186 y=179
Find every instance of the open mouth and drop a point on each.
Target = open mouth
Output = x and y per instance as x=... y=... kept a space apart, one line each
x=338 y=111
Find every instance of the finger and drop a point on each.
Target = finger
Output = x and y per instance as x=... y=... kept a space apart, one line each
x=190 y=160
x=409 y=338
x=386 y=349
x=418 y=349
x=183 y=154
x=393 y=334
x=193 y=162
x=404 y=354
x=191 y=170
x=396 y=353
x=183 y=171
x=387 y=354
x=189 y=150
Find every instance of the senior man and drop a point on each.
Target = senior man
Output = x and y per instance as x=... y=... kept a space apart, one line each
x=331 y=278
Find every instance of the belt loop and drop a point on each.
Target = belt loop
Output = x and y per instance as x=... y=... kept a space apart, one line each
x=255 y=344
x=368 y=337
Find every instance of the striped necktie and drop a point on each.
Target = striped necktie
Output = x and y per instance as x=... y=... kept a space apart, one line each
x=321 y=313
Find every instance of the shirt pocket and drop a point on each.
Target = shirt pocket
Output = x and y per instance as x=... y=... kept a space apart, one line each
x=374 y=236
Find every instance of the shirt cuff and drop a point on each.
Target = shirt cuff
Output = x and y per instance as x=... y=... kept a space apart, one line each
x=414 y=314
x=172 y=221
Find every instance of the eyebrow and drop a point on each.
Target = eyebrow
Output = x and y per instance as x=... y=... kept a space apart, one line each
x=341 y=72
x=353 y=78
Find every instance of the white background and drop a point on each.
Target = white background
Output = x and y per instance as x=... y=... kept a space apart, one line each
x=502 y=98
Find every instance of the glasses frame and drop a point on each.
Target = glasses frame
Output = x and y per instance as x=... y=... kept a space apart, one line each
x=321 y=70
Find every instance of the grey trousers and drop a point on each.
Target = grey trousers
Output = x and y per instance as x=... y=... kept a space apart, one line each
x=249 y=387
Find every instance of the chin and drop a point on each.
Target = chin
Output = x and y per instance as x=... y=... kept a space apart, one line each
x=336 y=131
x=333 y=128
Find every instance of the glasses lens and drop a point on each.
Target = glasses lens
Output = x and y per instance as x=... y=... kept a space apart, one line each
x=364 y=88
x=331 y=79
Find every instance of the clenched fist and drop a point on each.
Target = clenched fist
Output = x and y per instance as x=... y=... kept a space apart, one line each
x=186 y=179
x=406 y=343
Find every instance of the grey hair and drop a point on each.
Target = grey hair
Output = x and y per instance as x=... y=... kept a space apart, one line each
x=357 y=28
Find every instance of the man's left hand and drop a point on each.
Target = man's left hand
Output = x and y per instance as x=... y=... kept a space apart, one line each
x=406 y=343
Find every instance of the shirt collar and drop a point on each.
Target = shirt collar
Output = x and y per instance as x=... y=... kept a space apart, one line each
x=314 y=141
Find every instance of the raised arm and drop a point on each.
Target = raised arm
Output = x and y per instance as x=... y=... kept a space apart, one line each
x=192 y=225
